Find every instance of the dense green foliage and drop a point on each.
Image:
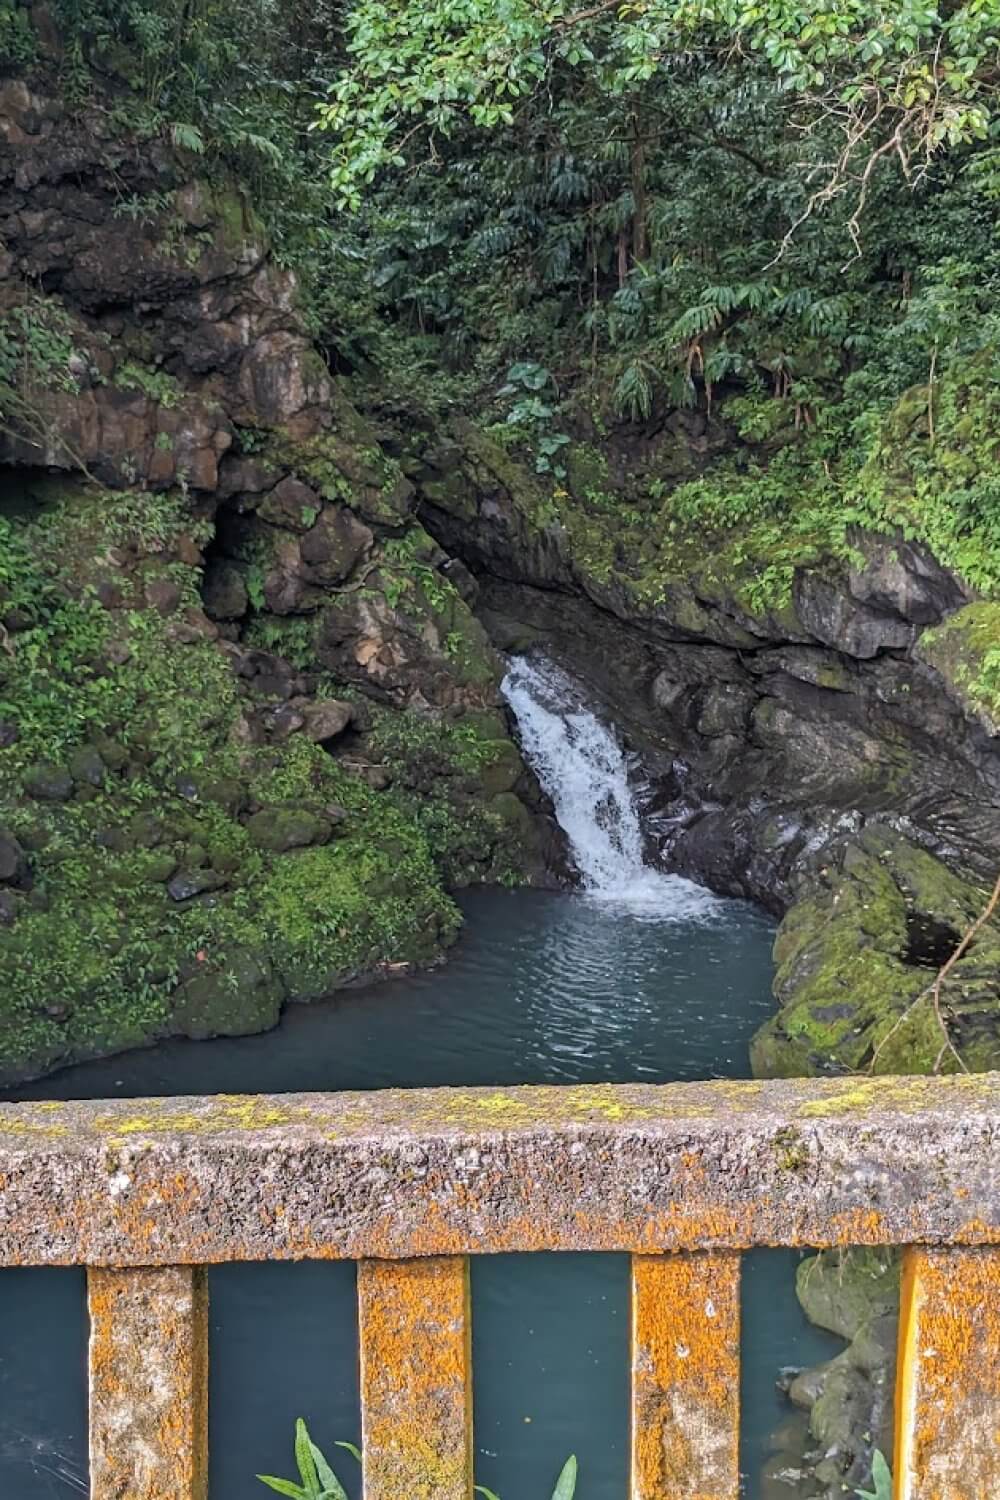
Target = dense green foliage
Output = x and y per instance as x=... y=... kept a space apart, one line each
x=643 y=203
x=783 y=216
x=897 y=78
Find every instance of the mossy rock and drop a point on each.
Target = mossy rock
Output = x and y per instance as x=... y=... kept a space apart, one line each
x=105 y=955
x=842 y=1290
x=240 y=998
x=856 y=960
x=965 y=650
x=280 y=829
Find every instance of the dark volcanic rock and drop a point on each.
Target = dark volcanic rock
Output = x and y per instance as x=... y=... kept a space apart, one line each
x=224 y=592
x=188 y=883
x=15 y=868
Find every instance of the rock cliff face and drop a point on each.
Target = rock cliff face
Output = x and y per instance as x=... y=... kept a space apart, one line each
x=251 y=727
x=820 y=752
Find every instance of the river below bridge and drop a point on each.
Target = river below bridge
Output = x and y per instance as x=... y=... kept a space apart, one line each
x=642 y=976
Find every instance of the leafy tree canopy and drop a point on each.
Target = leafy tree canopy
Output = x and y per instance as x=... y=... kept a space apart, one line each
x=901 y=77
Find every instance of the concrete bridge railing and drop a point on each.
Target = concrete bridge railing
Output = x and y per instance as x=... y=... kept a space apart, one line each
x=148 y=1193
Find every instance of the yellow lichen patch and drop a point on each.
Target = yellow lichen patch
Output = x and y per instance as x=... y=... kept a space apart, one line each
x=52 y=1131
x=416 y=1394
x=832 y=1097
x=948 y=1380
x=251 y=1113
x=685 y=1377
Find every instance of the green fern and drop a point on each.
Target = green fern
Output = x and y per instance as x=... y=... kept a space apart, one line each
x=187 y=137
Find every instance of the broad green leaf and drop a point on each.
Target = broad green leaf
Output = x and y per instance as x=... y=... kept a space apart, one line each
x=352 y=1449
x=283 y=1486
x=482 y=1490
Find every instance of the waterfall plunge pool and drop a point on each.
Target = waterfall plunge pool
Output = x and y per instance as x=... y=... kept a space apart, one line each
x=643 y=976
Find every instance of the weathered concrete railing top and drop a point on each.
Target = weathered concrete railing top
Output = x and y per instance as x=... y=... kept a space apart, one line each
x=147 y=1192
x=403 y=1174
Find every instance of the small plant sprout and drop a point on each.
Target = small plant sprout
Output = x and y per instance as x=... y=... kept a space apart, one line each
x=881 y=1478
x=565 y=1485
x=318 y=1481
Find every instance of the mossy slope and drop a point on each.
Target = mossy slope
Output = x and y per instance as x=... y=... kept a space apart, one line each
x=178 y=871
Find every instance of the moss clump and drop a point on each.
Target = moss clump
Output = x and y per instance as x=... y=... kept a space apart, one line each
x=856 y=961
x=460 y=776
x=966 y=651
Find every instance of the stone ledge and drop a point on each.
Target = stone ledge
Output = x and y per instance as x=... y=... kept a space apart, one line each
x=450 y=1171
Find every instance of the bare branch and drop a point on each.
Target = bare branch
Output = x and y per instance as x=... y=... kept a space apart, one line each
x=933 y=990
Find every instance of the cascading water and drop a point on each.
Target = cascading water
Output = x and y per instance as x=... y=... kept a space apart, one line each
x=583 y=768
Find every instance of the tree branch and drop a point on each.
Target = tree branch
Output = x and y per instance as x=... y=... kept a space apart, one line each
x=934 y=989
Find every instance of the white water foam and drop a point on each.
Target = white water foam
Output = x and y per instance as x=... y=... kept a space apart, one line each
x=584 y=770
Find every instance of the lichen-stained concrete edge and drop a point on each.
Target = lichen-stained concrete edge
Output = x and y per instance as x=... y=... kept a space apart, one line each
x=400 y=1174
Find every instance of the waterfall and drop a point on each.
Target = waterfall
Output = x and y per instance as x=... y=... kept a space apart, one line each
x=584 y=770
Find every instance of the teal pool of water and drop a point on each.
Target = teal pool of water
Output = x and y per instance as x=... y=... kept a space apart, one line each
x=543 y=987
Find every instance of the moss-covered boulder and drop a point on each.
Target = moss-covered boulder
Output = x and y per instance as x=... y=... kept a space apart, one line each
x=849 y=1399
x=965 y=652
x=857 y=957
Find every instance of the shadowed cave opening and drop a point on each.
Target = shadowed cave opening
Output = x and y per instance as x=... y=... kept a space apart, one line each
x=929 y=941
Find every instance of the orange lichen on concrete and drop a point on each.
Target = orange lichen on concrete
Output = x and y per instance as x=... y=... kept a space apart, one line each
x=948 y=1379
x=416 y=1379
x=685 y=1377
x=148 y=1384
x=636 y=1168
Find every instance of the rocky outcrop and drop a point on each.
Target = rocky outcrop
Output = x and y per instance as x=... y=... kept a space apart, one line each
x=251 y=729
x=848 y=1400
x=825 y=747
